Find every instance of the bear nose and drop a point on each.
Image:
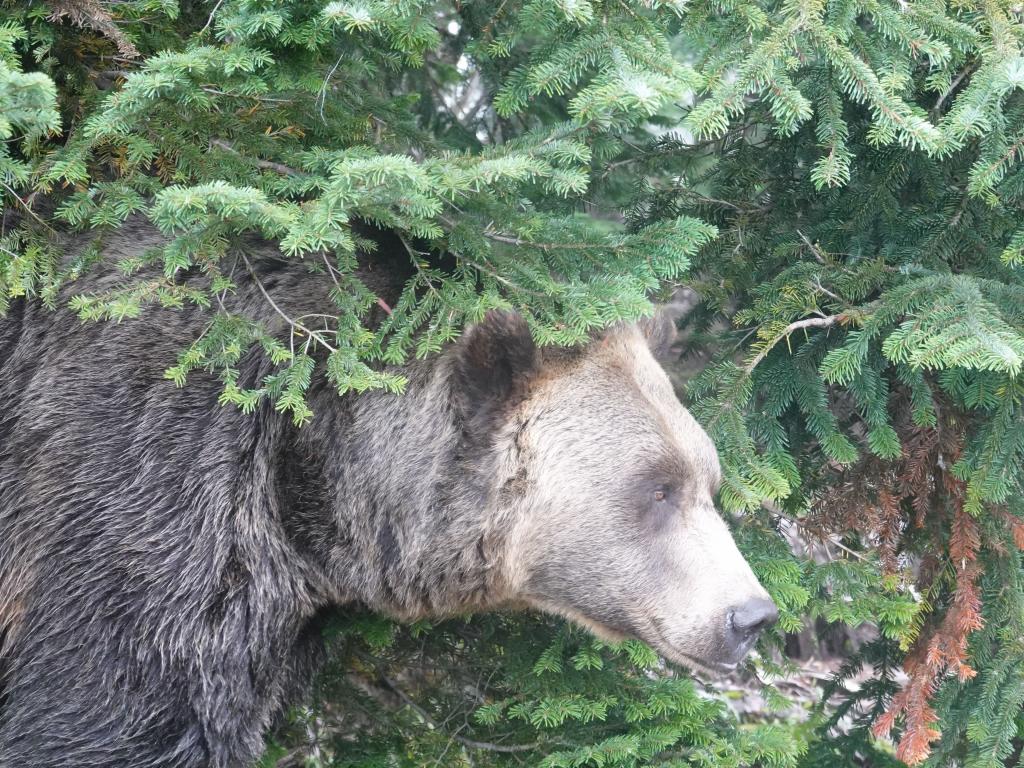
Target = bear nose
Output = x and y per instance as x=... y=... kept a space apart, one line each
x=746 y=621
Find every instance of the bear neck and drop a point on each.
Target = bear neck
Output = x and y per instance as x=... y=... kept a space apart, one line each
x=414 y=516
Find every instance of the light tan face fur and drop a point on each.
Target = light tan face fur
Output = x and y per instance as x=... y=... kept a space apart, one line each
x=619 y=531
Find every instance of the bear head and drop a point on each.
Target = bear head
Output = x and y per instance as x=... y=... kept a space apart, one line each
x=606 y=487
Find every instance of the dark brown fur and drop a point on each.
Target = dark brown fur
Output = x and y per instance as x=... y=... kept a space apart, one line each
x=164 y=561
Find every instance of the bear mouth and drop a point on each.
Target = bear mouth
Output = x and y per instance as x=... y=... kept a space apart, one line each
x=673 y=653
x=694 y=663
x=654 y=636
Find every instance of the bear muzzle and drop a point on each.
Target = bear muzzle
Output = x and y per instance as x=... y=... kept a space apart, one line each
x=745 y=622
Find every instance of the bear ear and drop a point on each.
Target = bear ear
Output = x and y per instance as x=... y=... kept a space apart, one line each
x=494 y=363
x=660 y=332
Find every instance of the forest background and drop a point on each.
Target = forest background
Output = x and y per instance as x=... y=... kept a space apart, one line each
x=828 y=191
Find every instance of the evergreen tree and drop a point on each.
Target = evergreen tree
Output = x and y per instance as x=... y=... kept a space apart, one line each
x=839 y=181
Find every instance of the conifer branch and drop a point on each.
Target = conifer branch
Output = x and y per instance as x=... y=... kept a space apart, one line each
x=813 y=248
x=907 y=229
x=209 y=19
x=472 y=743
x=810 y=322
x=294 y=325
x=954 y=84
x=270 y=165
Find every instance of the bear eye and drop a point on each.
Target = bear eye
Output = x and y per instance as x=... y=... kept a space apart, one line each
x=660 y=494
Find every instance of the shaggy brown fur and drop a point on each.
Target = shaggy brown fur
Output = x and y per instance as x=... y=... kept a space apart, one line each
x=164 y=560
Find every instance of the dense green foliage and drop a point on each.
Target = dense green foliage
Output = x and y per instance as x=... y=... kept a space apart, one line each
x=839 y=180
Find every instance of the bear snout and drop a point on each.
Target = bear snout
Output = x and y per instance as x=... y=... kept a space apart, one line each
x=746 y=621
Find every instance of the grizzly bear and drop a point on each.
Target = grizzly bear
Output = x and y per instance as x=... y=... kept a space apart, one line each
x=165 y=561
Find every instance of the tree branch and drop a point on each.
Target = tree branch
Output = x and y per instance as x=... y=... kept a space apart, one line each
x=810 y=322
x=937 y=109
x=818 y=257
x=472 y=743
x=295 y=325
x=269 y=165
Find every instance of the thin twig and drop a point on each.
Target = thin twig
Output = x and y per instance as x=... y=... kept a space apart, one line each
x=293 y=324
x=270 y=165
x=486 y=32
x=645 y=157
x=334 y=273
x=209 y=21
x=322 y=95
x=835 y=542
x=937 y=109
x=413 y=253
x=826 y=291
x=771 y=508
x=499 y=278
x=486 y=745
x=331 y=270
x=818 y=256
x=509 y=240
x=26 y=206
x=699 y=198
x=810 y=322
x=263 y=99
x=224 y=294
